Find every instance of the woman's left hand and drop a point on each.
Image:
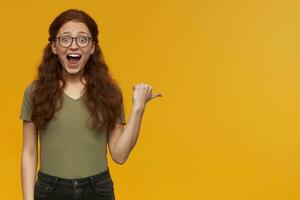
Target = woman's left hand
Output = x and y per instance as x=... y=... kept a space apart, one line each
x=142 y=93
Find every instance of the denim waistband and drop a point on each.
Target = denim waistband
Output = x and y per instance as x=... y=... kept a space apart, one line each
x=54 y=180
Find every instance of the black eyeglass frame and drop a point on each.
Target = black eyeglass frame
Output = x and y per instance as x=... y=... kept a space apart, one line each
x=89 y=38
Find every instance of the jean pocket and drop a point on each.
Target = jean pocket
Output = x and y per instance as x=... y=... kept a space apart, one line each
x=43 y=189
x=104 y=187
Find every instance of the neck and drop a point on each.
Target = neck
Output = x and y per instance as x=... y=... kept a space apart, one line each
x=73 y=79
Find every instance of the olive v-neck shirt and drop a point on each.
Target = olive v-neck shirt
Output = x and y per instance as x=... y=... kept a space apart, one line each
x=68 y=147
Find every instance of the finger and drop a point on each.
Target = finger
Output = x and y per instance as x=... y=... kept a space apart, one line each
x=156 y=95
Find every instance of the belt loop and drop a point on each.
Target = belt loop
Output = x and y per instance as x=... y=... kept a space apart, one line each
x=92 y=181
x=56 y=180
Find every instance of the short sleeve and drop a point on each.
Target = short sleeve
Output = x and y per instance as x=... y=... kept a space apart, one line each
x=26 y=108
x=121 y=119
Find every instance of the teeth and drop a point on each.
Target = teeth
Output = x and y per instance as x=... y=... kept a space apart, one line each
x=74 y=55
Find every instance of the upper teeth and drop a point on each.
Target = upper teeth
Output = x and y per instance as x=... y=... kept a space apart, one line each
x=74 y=55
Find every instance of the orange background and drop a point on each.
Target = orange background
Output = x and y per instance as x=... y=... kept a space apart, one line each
x=227 y=126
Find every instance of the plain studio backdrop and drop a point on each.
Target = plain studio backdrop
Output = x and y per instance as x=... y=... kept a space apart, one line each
x=227 y=126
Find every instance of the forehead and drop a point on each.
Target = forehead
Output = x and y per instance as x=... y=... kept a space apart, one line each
x=73 y=27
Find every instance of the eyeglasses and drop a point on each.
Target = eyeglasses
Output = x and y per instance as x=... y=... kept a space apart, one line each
x=81 y=41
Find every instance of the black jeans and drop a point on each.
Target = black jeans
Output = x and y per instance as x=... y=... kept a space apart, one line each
x=96 y=187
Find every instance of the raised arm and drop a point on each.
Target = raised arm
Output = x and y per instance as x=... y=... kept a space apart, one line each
x=122 y=140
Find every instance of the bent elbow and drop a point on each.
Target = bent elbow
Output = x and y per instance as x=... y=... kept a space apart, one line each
x=120 y=161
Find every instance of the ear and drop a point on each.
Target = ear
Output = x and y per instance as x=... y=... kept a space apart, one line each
x=54 y=50
x=93 y=48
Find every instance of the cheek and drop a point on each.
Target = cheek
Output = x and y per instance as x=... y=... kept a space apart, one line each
x=87 y=55
x=86 y=58
x=61 y=58
x=61 y=54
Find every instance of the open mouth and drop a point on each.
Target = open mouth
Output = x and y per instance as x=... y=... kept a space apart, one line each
x=73 y=58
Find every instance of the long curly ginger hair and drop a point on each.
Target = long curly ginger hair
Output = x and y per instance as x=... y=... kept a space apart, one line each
x=103 y=96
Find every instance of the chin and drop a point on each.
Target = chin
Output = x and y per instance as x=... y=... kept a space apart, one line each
x=73 y=71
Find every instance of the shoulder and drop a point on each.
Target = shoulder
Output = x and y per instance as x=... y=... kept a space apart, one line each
x=30 y=87
x=118 y=88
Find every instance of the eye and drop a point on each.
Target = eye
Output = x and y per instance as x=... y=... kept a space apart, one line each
x=83 y=39
x=65 y=39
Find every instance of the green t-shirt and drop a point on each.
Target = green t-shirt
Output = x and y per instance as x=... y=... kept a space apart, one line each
x=69 y=148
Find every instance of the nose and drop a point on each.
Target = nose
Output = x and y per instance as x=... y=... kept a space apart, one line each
x=73 y=44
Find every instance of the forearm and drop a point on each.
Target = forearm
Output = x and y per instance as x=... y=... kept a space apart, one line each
x=129 y=137
x=28 y=175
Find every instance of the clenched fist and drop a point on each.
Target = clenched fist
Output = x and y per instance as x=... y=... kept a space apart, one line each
x=142 y=93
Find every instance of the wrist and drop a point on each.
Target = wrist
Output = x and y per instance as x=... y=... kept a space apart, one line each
x=138 y=107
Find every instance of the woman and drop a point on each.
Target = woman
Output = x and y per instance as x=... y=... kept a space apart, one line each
x=77 y=108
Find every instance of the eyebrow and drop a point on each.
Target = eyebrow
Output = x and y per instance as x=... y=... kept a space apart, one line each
x=66 y=32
